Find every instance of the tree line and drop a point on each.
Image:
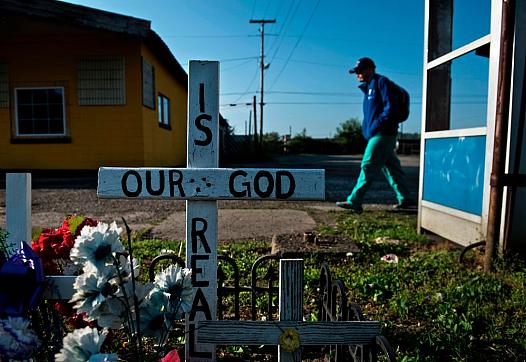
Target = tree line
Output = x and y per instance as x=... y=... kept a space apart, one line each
x=348 y=139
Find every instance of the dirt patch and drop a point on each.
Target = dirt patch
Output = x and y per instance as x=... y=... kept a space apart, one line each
x=242 y=224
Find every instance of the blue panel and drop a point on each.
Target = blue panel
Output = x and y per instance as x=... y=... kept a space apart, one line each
x=454 y=172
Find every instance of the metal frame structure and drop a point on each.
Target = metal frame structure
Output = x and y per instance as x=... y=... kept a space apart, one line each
x=452 y=223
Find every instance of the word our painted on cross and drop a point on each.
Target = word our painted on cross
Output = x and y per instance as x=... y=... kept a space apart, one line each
x=211 y=183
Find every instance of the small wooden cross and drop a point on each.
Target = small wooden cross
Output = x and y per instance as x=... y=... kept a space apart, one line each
x=231 y=332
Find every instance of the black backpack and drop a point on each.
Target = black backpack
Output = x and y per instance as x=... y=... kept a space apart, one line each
x=402 y=102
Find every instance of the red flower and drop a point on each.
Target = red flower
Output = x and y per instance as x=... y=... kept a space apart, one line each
x=66 y=243
x=74 y=319
x=79 y=321
x=87 y=222
x=63 y=308
x=172 y=356
x=44 y=244
x=53 y=244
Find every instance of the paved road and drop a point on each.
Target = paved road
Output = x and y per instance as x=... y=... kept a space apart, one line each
x=55 y=196
x=341 y=172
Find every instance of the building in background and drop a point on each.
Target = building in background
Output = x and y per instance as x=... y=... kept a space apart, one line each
x=82 y=88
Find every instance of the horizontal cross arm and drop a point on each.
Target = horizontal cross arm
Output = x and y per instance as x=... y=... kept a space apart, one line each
x=230 y=332
x=211 y=183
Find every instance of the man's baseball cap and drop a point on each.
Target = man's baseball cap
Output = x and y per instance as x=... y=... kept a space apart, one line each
x=361 y=64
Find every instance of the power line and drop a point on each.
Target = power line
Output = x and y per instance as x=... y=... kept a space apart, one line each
x=284 y=27
x=345 y=94
x=352 y=94
x=237 y=66
x=208 y=36
x=249 y=85
x=253 y=9
x=237 y=59
x=266 y=9
x=297 y=42
x=336 y=103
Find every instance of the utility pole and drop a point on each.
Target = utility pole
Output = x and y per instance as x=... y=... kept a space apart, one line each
x=262 y=66
x=256 y=143
x=250 y=123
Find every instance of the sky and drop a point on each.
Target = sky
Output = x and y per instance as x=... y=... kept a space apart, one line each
x=309 y=50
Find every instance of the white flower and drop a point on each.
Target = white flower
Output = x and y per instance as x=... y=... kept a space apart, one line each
x=141 y=291
x=176 y=283
x=92 y=289
x=112 y=314
x=97 y=244
x=126 y=266
x=84 y=345
x=153 y=312
x=17 y=341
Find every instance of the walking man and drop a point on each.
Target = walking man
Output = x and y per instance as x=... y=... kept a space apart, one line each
x=380 y=128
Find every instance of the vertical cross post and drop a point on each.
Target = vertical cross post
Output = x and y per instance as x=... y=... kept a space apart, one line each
x=201 y=216
x=18 y=208
x=290 y=300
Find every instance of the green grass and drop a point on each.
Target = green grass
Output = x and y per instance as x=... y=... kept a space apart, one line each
x=431 y=307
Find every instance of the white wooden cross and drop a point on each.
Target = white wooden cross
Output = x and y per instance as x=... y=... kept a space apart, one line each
x=18 y=226
x=18 y=208
x=232 y=332
x=202 y=184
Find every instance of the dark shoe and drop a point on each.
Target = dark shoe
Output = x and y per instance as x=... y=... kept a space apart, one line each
x=406 y=204
x=349 y=206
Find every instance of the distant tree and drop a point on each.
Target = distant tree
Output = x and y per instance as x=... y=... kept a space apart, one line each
x=272 y=143
x=349 y=136
x=271 y=137
x=301 y=143
x=302 y=134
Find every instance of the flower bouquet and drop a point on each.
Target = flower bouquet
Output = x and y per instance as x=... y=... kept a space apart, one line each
x=122 y=319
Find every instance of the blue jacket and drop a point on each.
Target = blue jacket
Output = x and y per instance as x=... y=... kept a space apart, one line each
x=378 y=117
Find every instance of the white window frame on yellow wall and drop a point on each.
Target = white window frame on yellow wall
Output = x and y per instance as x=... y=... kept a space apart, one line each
x=33 y=134
x=163 y=111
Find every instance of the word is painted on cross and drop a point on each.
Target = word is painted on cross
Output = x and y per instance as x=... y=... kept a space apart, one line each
x=201 y=184
x=211 y=183
x=201 y=215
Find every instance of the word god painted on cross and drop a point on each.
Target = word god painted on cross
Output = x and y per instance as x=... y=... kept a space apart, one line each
x=201 y=184
x=211 y=183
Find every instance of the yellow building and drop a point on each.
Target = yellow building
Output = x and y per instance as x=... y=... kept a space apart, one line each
x=82 y=88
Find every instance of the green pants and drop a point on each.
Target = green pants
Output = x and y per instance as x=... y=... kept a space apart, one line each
x=380 y=157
